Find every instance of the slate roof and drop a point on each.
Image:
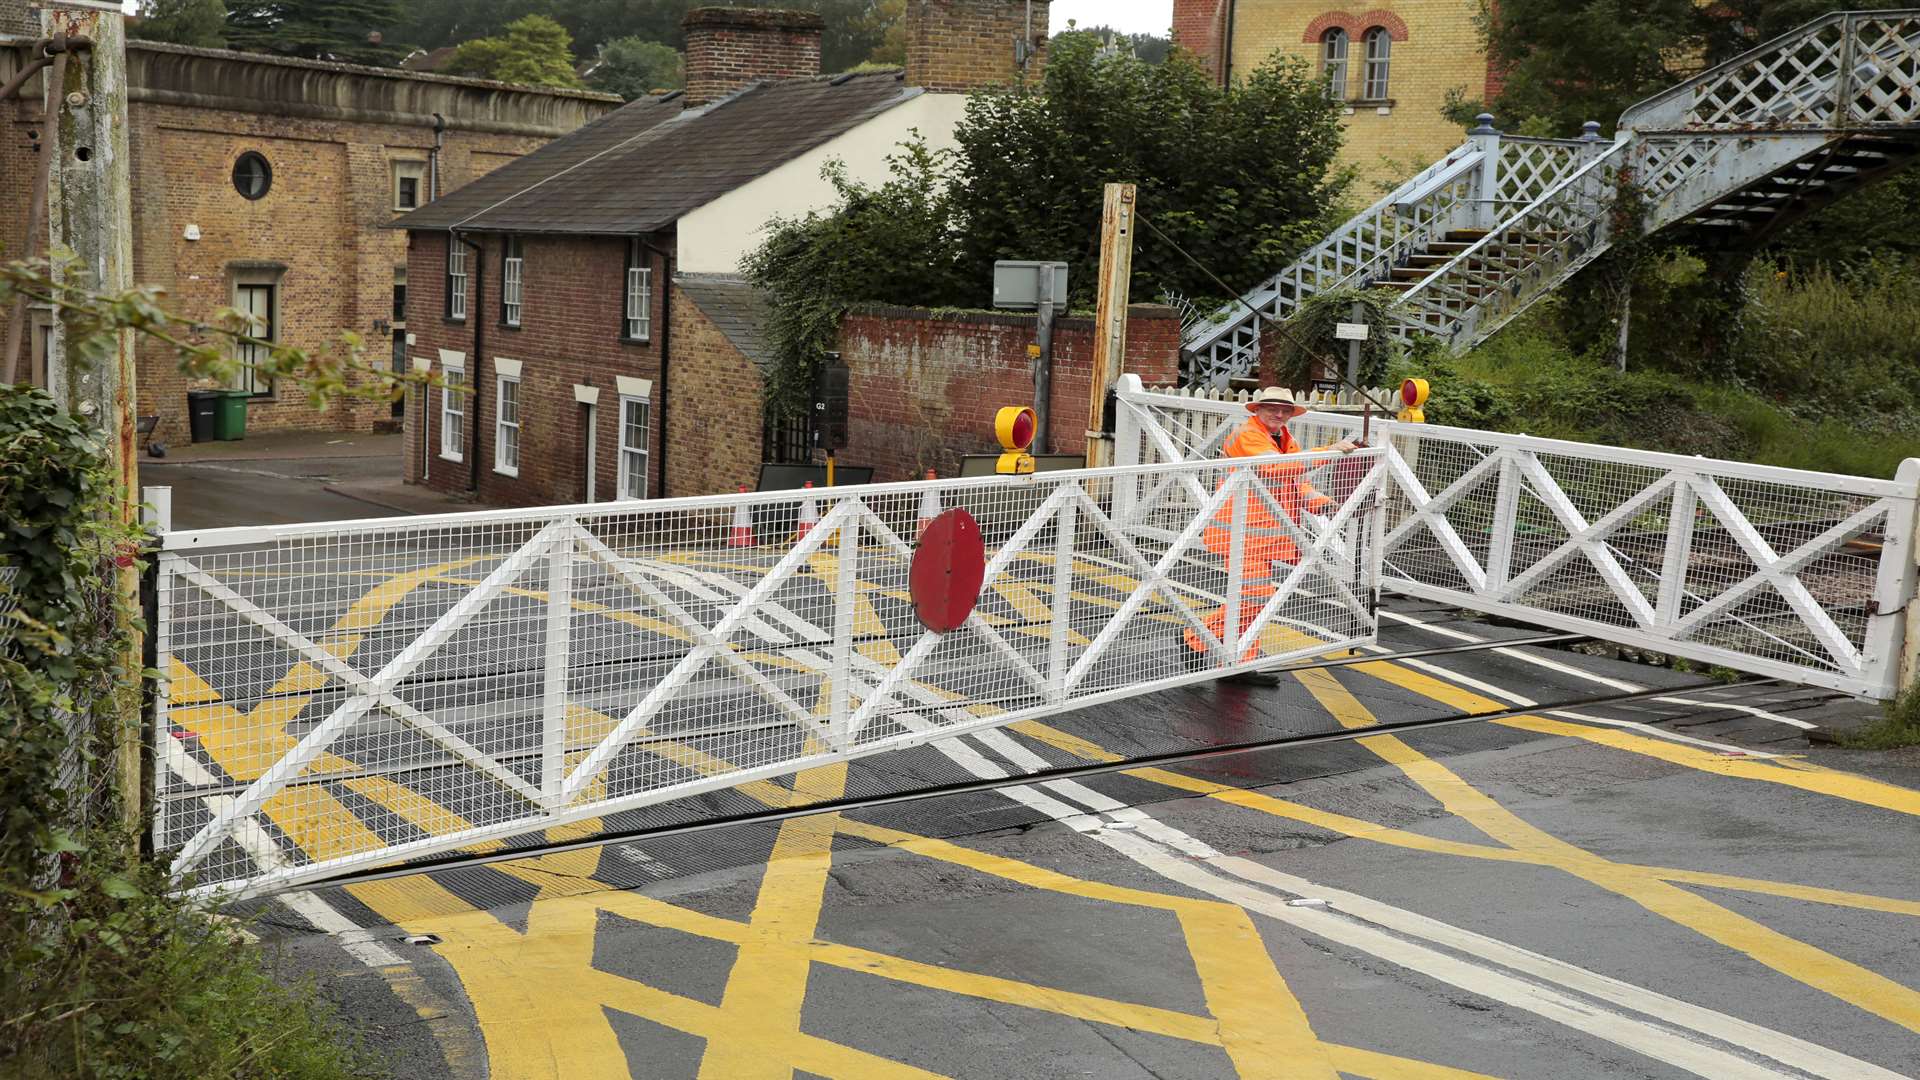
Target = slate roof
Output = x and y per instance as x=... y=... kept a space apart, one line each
x=737 y=308
x=642 y=166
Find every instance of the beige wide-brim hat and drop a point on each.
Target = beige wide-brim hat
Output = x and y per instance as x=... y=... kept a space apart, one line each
x=1275 y=395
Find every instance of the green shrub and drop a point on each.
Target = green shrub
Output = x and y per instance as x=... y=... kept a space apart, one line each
x=104 y=972
x=1828 y=344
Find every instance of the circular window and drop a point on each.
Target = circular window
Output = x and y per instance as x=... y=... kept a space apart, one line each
x=252 y=176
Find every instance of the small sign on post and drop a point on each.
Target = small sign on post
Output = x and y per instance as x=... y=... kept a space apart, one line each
x=1350 y=331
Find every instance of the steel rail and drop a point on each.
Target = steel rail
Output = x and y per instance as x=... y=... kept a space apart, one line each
x=1070 y=772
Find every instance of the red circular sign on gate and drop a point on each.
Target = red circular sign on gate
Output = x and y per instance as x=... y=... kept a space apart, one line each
x=949 y=567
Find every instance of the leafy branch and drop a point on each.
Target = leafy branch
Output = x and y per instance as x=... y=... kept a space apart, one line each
x=217 y=349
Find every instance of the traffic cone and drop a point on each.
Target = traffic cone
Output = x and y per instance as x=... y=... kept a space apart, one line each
x=929 y=509
x=809 y=516
x=741 y=535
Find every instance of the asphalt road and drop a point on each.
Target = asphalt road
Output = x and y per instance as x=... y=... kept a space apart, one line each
x=1641 y=890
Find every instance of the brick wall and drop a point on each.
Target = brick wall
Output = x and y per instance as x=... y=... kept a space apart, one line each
x=714 y=424
x=319 y=234
x=569 y=334
x=955 y=46
x=926 y=385
x=727 y=48
x=330 y=133
x=16 y=19
x=1199 y=26
x=1439 y=51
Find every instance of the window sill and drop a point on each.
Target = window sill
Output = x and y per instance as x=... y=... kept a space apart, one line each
x=455 y=458
x=636 y=341
x=451 y=321
x=515 y=473
x=510 y=326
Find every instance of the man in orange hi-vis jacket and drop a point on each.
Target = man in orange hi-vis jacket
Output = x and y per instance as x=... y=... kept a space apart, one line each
x=1264 y=540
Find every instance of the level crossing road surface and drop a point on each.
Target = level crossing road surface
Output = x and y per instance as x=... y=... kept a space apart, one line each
x=1666 y=887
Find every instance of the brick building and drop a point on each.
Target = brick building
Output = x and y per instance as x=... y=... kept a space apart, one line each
x=266 y=184
x=586 y=297
x=1392 y=63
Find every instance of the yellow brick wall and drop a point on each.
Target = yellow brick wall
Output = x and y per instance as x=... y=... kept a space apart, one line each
x=1442 y=51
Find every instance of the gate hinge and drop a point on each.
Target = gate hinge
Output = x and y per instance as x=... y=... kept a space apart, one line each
x=1373 y=604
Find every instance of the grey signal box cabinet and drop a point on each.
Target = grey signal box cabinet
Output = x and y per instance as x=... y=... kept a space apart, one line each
x=1017 y=285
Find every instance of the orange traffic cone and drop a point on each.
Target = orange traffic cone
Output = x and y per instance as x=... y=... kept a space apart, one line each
x=741 y=535
x=809 y=516
x=929 y=509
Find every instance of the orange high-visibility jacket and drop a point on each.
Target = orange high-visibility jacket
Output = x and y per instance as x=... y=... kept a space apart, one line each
x=1266 y=541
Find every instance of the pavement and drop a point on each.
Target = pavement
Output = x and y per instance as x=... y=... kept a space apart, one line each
x=1673 y=887
x=288 y=477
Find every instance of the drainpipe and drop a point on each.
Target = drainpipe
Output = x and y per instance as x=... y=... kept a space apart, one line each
x=1226 y=53
x=433 y=156
x=477 y=311
x=666 y=351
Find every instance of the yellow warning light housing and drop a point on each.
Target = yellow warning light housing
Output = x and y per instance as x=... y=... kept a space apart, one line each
x=1413 y=395
x=1015 y=426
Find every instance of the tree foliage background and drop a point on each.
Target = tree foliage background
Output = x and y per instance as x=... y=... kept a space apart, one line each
x=349 y=31
x=1239 y=178
x=533 y=50
x=633 y=66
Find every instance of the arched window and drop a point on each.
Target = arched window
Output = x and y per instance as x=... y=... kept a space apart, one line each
x=1333 y=62
x=1379 y=59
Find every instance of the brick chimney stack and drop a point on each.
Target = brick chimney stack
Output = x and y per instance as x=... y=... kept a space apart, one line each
x=955 y=46
x=728 y=48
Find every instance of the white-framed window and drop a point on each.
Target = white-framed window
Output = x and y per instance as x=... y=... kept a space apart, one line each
x=635 y=415
x=256 y=301
x=409 y=185
x=638 y=322
x=1379 y=61
x=1333 y=62
x=453 y=413
x=506 y=426
x=456 y=279
x=512 y=267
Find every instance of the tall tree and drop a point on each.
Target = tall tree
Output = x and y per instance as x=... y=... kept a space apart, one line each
x=1570 y=61
x=632 y=67
x=1239 y=178
x=1153 y=48
x=202 y=23
x=350 y=31
x=533 y=50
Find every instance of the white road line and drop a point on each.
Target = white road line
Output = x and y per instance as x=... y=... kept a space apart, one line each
x=1527 y=703
x=354 y=940
x=1618 y=684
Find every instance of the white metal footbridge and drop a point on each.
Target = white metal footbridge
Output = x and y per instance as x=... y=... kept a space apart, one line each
x=1733 y=156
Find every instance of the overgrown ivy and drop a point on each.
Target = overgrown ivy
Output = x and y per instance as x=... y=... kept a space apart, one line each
x=1294 y=355
x=105 y=970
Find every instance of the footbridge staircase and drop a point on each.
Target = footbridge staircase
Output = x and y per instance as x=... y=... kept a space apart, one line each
x=1732 y=156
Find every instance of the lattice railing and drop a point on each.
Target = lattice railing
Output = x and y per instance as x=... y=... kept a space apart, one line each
x=1801 y=575
x=1847 y=69
x=1445 y=196
x=1483 y=287
x=1227 y=344
x=349 y=695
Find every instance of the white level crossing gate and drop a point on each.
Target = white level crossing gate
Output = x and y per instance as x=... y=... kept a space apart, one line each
x=1799 y=575
x=349 y=695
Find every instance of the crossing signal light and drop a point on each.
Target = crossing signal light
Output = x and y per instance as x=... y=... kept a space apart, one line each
x=1015 y=426
x=1413 y=395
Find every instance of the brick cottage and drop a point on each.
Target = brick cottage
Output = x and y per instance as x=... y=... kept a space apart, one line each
x=584 y=301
